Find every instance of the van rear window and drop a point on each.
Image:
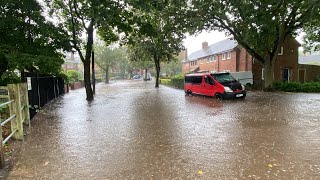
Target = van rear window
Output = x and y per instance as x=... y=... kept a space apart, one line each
x=193 y=79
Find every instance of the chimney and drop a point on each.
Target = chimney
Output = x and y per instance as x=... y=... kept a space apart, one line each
x=205 y=45
x=186 y=54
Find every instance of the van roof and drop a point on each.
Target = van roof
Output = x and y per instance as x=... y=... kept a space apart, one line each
x=200 y=74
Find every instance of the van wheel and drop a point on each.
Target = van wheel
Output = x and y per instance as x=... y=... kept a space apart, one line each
x=188 y=92
x=218 y=96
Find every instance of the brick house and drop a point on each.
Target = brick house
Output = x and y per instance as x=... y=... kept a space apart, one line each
x=229 y=56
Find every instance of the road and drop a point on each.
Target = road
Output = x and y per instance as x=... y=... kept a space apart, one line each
x=135 y=131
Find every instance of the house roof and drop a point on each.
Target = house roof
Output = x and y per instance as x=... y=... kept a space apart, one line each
x=219 y=47
x=310 y=59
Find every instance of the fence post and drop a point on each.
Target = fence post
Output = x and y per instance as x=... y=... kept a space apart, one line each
x=26 y=103
x=1 y=149
x=14 y=94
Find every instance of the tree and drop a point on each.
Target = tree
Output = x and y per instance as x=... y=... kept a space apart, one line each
x=28 y=41
x=312 y=29
x=258 y=26
x=173 y=67
x=139 y=57
x=111 y=57
x=83 y=17
x=161 y=29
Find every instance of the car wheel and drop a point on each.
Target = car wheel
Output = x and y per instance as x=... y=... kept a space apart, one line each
x=218 y=96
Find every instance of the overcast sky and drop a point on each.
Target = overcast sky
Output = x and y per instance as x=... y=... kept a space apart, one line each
x=194 y=43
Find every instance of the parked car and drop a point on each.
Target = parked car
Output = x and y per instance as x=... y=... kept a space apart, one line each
x=218 y=85
x=138 y=76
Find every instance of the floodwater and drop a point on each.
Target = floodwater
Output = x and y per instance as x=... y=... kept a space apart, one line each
x=135 y=131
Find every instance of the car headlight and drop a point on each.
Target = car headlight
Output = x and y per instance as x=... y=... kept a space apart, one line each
x=227 y=89
x=243 y=87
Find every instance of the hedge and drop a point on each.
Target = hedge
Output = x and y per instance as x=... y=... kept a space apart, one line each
x=176 y=82
x=297 y=86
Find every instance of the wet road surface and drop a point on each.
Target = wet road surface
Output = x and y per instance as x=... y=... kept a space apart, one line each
x=134 y=131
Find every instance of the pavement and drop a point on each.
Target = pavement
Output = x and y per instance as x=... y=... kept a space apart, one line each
x=135 y=131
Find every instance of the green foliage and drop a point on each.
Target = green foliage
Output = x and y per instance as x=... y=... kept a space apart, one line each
x=318 y=78
x=297 y=86
x=28 y=41
x=165 y=81
x=83 y=17
x=171 y=68
x=311 y=40
x=261 y=27
x=9 y=78
x=161 y=28
x=177 y=82
x=115 y=58
x=73 y=76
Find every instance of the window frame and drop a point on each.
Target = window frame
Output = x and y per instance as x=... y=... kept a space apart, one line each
x=281 y=51
x=223 y=56
x=228 y=54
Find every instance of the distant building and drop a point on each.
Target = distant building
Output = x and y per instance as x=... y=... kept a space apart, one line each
x=229 y=56
x=72 y=62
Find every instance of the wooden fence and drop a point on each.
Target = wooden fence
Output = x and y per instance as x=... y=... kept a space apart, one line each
x=14 y=99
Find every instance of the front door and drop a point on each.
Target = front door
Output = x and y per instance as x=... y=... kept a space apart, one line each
x=286 y=75
x=302 y=73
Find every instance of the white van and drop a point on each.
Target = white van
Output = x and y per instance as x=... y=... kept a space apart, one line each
x=244 y=77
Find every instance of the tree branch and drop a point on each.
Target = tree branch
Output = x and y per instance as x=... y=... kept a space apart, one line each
x=74 y=41
x=78 y=15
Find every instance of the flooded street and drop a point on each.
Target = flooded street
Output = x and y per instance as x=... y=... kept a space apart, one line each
x=134 y=131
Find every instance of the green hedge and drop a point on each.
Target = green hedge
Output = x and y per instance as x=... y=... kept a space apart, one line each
x=297 y=86
x=176 y=82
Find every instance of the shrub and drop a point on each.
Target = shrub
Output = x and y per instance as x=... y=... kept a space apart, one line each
x=297 y=86
x=177 y=82
x=73 y=76
x=166 y=82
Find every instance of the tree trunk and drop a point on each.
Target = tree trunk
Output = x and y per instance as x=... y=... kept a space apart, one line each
x=86 y=62
x=157 y=63
x=145 y=74
x=268 y=72
x=87 y=83
x=107 y=74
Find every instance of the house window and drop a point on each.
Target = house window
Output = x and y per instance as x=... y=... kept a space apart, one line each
x=226 y=71
x=262 y=73
x=211 y=58
x=214 y=58
x=228 y=55
x=224 y=56
x=200 y=61
x=208 y=59
x=281 y=51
